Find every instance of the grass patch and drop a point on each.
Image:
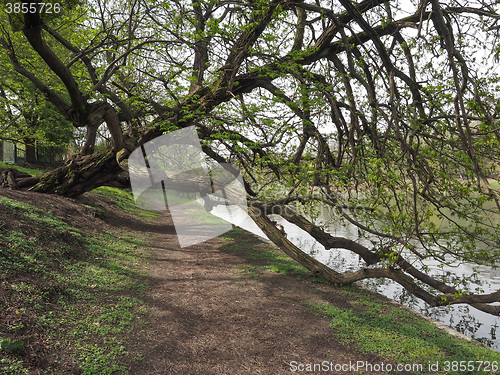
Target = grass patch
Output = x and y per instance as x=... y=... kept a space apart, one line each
x=248 y=269
x=269 y=259
x=66 y=291
x=124 y=199
x=30 y=171
x=377 y=327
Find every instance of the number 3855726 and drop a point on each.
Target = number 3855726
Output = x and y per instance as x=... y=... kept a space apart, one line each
x=33 y=7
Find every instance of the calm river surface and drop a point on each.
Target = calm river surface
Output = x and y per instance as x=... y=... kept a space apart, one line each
x=463 y=318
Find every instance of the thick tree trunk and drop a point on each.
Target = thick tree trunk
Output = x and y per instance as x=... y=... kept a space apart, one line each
x=30 y=150
x=77 y=176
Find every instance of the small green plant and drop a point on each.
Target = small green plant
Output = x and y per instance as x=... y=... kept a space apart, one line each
x=10 y=346
x=248 y=269
x=13 y=366
x=139 y=358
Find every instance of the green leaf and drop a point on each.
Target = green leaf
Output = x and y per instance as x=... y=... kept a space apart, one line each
x=10 y=346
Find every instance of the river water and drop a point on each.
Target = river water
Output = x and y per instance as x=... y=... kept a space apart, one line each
x=463 y=318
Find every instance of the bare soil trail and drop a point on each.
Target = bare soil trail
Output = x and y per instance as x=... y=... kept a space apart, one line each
x=212 y=317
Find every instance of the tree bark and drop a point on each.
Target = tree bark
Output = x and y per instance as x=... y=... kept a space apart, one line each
x=30 y=150
x=77 y=176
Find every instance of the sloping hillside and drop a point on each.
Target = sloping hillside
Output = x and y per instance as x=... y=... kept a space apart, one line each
x=71 y=280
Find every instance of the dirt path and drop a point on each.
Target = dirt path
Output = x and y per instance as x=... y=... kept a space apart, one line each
x=209 y=318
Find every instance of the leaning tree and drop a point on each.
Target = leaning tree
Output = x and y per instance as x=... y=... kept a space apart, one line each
x=384 y=111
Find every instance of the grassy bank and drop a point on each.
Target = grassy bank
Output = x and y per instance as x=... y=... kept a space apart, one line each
x=71 y=297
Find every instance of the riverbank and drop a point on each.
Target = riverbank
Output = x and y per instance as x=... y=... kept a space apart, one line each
x=95 y=286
